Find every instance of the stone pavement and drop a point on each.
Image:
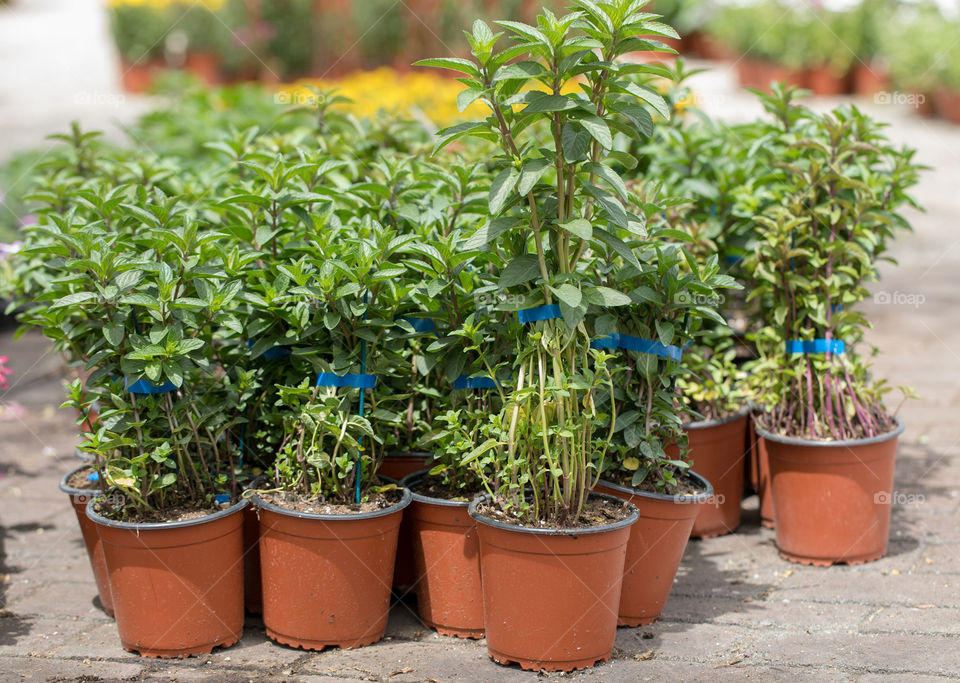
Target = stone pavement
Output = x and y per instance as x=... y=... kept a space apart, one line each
x=737 y=610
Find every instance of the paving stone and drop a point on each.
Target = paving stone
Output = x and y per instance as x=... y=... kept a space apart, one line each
x=28 y=636
x=40 y=669
x=702 y=642
x=820 y=585
x=922 y=619
x=940 y=559
x=736 y=669
x=859 y=653
x=61 y=599
x=790 y=614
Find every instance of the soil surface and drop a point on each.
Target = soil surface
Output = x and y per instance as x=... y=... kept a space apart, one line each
x=78 y=480
x=597 y=512
x=433 y=487
x=688 y=486
x=180 y=513
x=310 y=504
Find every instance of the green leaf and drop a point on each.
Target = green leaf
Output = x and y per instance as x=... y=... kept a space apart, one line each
x=598 y=130
x=605 y=296
x=531 y=173
x=74 y=299
x=501 y=189
x=541 y=102
x=519 y=270
x=488 y=232
x=611 y=177
x=467 y=97
x=568 y=294
x=114 y=334
x=464 y=66
x=580 y=227
x=619 y=246
x=575 y=142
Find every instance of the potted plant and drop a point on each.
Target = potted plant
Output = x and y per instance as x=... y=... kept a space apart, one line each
x=714 y=392
x=556 y=207
x=831 y=442
x=328 y=525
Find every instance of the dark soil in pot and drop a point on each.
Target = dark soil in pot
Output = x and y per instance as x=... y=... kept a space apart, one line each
x=177 y=586
x=82 y=490
x=326 y=577
x=656 y=546
x=446 y=552
x=550 y=596
x=832 y=499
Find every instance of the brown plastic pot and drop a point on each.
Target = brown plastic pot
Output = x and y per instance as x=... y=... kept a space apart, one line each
x=252 y=587
x=832 y=498
x=764 y=490
x=550 y=596
x=326 y=578
x=822 y=81
x=91 y=539
x=948 y=104
x=177 y=586
x=656 y=546
x=717 y=452
x=870 y=79
x=397 y=466
x=446 y=552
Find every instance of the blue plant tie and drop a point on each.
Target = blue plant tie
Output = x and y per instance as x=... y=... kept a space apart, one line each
x=222 y=498
x=144 y=386
x=243 y=434
x=361 y=381
x=419 y=325
x=545 y=312
x=479 y=382
x=94 y=476
x=833 y=346
x=629 y=343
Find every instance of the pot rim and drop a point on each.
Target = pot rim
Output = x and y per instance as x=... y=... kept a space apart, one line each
x=704 y=424
x=613 y=526
x=820 y=443
x=676 y=497
x=99 y=519
x=77 y=492
x=77 y=453
x=415 y=477
x=404 y=501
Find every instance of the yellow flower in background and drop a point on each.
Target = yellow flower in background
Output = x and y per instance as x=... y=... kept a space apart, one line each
x=415 y=94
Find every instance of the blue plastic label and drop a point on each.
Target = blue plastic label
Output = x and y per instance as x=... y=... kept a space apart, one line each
x=833 y=346
x=545 y=312
x=479 y=382
x=144 y=386
x=626 y=342
x=329 y=379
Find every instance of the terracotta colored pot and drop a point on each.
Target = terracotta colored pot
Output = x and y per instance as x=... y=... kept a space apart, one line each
x=656 y=546
x=326 y=578
x=204 y=65
x=870 y=79
x=758 y=74
x=550 y=596
x=832 y=498
x=821 y=80
x=446 y=553
x=91 y=539
x=177 y=586
x=397 y=466
x=139 y=77
x=764 y=489
x=948 y=104
x=706 y=46
x=717 y=451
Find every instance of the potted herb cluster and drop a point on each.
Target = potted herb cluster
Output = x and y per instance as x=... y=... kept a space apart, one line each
x=566 y=228
x=830 y=440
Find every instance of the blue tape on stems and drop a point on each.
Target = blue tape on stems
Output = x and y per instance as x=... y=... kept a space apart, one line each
x=625 y=341
x=834 y=346
x=545 y=312
x=732 y=258
x=836 y=307
x=329 y=379
x=144 y=386
x=468 y=382
x=94 y=476
x=275 y=353
x=419 y=325
x=222 y=498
